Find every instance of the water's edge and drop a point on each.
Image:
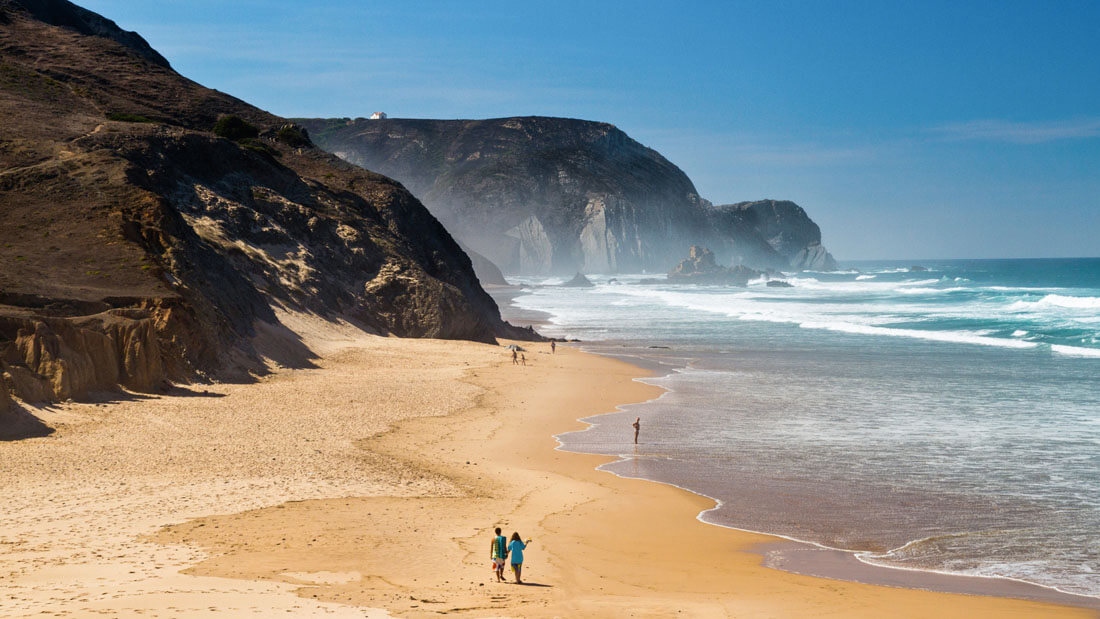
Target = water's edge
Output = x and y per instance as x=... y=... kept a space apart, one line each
x=799 y=556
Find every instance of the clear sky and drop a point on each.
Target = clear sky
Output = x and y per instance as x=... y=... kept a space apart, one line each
x=906 y=129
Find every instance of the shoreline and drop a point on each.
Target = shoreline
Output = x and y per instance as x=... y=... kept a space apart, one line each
x=800 y=556
x=804 y=557
x=349 y=473
x=586 y=558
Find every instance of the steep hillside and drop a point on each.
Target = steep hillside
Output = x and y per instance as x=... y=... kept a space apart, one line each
x=137 y=245
x=550 y=195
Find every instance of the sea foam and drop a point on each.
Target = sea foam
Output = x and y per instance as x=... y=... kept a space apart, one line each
x=1075 y=351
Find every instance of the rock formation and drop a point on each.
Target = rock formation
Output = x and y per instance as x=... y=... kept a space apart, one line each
x=779 y=283
x=5 y=397
x=487 y=272
x=701 y=268
x=579 y=281
x=538 y=195
x=150 y=226
x=784 y=226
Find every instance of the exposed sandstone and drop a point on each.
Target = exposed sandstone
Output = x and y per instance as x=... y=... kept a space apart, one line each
x=53 y=358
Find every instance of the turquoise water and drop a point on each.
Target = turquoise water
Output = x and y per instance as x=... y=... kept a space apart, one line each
x=943 y=420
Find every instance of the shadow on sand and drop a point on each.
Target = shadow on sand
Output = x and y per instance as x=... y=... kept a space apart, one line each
x=18 y=423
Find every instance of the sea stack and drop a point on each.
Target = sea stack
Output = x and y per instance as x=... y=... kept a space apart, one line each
x=701 y=267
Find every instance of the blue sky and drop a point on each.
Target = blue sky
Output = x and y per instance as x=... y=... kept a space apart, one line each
x=906 y=129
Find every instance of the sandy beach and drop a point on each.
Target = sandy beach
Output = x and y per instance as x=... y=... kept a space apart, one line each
x=370 y=486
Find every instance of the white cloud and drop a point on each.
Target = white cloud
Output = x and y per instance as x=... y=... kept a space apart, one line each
x=1019 y=132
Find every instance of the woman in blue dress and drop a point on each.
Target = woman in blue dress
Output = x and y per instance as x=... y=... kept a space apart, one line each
x=515 y=552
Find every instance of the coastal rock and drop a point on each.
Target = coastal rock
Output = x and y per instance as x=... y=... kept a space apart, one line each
x=541 y=196
x=56 y=359
x=917 y=269
x=778 y=283
x=701 y=267
x=785 y=227
x=487 y=273
x=5 y=398
x=578 y=281
x=141 y=245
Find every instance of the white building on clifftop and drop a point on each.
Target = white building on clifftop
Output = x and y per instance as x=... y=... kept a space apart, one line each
x=377 y=115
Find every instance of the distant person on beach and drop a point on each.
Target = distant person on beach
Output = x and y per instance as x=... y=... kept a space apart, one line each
x=516 y=548
x=499 y=551
x=553 y=347
x=637 y=427
x=515 y=357
x=523 y=358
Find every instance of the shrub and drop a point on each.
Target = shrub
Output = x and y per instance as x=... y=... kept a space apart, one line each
x=234 y=128
x=129 y=118
x=293 y=136
x=257 y=146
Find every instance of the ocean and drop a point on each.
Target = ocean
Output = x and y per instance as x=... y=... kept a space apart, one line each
x=945 y=419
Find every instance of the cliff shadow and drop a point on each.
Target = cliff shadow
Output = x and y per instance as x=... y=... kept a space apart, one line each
x=18 y=423
x=282 y=346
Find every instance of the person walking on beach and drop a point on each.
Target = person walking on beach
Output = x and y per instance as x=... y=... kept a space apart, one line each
x=553 y=347
x=523 y=358
x=515 y=357
x=516 y=548
x=637 y=427
x=498 y=551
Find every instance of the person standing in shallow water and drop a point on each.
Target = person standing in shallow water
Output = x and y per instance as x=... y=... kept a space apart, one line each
x=498 y=550
x=637 y=428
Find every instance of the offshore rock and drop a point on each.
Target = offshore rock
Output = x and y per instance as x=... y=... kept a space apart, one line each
x=778 y=283
x=579 y=281
x=701 y=267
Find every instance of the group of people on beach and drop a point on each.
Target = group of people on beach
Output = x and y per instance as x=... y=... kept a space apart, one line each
x=502 y=548
x=519 y=358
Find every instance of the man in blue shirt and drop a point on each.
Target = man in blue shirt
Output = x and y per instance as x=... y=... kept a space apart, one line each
x=498 y=551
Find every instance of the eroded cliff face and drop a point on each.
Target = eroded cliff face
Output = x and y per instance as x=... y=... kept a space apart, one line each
x=5 y=398
x=784 y=226
x=50 y=359
x=539 y=195
x=138 y=247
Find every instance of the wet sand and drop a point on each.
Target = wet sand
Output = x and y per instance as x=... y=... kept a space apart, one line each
x=373 y=482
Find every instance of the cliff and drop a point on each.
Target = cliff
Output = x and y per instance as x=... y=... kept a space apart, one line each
x=784 y=226
x=149 y=227
x=539 y=195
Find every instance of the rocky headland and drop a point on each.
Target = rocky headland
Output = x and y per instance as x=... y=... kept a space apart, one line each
x=151 y=228
x=539 y=195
